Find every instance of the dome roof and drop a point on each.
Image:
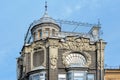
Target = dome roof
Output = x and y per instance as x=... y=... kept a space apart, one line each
x=45 y=19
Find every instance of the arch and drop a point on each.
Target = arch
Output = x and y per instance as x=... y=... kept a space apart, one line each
x=76 y=59
x=38 y=58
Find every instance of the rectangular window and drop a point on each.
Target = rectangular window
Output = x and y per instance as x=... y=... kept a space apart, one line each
x=78 y=78
x=61 y=76
x=90 y=77
x=40 y=34
x=30 y=78
x=69 y=75
x=47 y=32
x=53 y=32
x=36 y=77
x=42 y=76
x=76 y=75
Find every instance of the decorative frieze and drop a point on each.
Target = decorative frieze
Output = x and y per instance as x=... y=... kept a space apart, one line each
x=77 y=44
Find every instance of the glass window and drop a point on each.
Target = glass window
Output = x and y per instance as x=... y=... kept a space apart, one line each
x=47 y=31
x=42 y=75
x=30 y=78
x=79 y=79
x=69 y=75
x=90 y=77
x=40 y=33
x=53 y=32
x=61 y=76
x=36 y=77
x=76 y=75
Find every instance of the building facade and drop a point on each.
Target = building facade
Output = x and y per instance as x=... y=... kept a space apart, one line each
x=52 y=54
x=112 y=74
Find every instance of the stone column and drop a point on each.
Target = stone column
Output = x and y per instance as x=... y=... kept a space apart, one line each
x=100 y=59
x=53 y=59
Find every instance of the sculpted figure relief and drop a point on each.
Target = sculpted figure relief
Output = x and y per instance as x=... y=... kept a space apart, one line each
x=79 y=44
x=53 y=61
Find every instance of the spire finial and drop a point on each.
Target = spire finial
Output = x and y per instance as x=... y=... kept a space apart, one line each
x=46 y=6
x=99 y=22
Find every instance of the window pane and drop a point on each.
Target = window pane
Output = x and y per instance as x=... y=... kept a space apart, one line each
x=76 y=75
x=47 y=31
x=40 y=34
x=90 y=76
x=36 y=77
x=61 y=76
x=78 y=78
x=30 y=78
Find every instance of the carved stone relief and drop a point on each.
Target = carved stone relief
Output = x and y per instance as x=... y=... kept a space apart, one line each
x=77 y=44
x=85 y=54
x=53 y=43
x=53 y=57
x=53 y=61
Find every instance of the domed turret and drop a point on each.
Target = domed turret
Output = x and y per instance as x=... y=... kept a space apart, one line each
x=45 y=27
x=46 y=18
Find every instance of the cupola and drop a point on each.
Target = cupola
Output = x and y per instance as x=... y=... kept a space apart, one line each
x=45 y=27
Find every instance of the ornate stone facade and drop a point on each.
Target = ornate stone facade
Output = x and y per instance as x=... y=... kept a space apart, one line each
x=52 y=57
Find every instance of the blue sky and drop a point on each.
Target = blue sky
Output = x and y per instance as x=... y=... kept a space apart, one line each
x=16 y=16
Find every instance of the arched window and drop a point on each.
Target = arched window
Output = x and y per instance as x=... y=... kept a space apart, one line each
x=38 y=58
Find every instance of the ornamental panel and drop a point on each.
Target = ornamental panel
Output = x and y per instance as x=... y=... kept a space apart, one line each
x=77 y=59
